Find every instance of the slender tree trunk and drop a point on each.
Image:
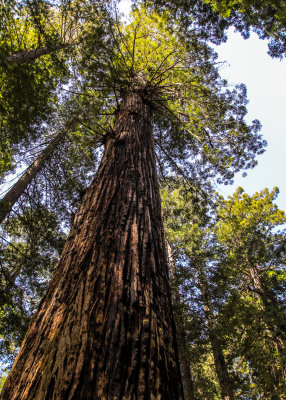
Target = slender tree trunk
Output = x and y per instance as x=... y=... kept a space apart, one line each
x=105 y=328
x=30 y=55
x=220 y=363
x=187 y=379
x=11 y=197
x=274 y=317
x=274 y=313
x=221 y=367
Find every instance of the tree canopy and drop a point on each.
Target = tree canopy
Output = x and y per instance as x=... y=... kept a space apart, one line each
x=212 y=18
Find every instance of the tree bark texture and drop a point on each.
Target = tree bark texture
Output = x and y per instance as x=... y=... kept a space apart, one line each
x=219 y=359
x=13 y=195
x=105 y=328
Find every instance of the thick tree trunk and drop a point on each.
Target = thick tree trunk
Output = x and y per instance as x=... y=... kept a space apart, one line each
x=220 y=363
x=105 y=328
x=30 y=55
x=20 y=186
x=187 y=379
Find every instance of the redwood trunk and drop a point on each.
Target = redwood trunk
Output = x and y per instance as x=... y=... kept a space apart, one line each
x=105 y=328
x=11 y=197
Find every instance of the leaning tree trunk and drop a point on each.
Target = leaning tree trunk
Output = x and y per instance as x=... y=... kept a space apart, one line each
x=219 y=359
x=13 y=195
x=105 y=328
x=30 y=55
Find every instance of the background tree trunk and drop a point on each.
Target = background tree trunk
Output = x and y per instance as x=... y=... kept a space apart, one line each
x=220 y=363
x=187 y=379
x=184 y=355
x=13 y=195
x=274 y=312
x=105 y=329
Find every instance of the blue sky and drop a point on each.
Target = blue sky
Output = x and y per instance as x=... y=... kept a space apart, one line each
x=265 y=79
x=247 y=62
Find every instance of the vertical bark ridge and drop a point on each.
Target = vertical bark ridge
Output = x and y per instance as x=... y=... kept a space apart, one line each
x=105 y=329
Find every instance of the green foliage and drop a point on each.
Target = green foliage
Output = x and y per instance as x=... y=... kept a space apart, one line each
x=27 y=98
x=266 y=18
x=28 y=94
x=3 y=377
x=30 y=248
x=212 y=18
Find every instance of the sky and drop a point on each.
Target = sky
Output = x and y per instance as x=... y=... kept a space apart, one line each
x=265 y=79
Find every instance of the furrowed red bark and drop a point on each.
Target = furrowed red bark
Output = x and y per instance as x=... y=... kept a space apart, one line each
x=105 y=328
x=13 y=195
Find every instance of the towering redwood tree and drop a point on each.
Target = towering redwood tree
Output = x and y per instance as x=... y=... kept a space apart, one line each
x=105 y=329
